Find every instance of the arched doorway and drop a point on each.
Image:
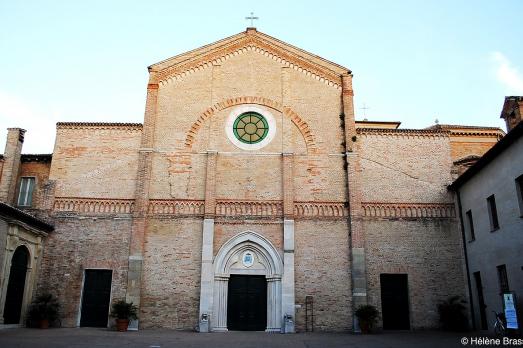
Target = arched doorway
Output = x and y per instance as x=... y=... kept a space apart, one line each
x=243 y=264
x=16 y=286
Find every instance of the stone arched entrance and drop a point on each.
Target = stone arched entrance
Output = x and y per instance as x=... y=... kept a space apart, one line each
x=248 y=253
x=16 y=285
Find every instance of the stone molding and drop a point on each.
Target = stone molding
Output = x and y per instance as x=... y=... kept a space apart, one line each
x=408 y=210
x=93 y=205
x=244 y=45
x=302 y=125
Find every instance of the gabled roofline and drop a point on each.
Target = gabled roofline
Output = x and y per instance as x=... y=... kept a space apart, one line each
x=219 y=51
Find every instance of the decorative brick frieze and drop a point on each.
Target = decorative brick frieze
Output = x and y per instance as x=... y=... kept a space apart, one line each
x=176 y=207
x=244 y=45
x=93 y=205
x=320 y=209
x=99 y=126
x=408 y=210
x=295 y=118
x=232 y=208
x=408 y=133
x=249 y=208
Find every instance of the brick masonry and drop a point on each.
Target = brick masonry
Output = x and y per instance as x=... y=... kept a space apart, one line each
x=118 y=190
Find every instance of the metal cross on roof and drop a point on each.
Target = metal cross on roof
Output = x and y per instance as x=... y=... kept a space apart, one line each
x=364 y=108
x=252 y=18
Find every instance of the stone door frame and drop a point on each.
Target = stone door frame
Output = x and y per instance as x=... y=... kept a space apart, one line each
x=227 y=256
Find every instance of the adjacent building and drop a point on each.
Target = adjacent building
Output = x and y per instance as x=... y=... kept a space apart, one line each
x=490 y=201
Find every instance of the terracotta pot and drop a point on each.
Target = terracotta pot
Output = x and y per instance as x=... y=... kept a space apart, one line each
x=365 y=327
x=122 y=324
x=43 y=324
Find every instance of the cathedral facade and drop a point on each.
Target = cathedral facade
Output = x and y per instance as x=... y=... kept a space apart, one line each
x=249 y=199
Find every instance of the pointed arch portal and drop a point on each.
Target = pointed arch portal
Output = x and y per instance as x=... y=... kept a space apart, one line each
x=248 y=254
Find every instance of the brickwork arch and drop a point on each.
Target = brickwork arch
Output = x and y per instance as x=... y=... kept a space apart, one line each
x=296 y=119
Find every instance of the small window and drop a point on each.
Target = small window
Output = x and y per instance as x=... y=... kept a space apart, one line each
x=503 y=279
x=25 y=198
x=493 y=213
x=472 y=236
x=519 y=190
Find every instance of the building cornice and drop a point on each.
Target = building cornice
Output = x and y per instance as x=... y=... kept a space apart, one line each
x=99 y=125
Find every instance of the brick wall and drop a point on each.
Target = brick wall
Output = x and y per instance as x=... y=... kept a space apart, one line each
x=428 y=251
x=79 y=243
x=322 y=270
x=171 y=276
x=40 y=171
x=87 y=160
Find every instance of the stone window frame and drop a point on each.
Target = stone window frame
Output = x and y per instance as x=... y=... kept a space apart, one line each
x=245 y=108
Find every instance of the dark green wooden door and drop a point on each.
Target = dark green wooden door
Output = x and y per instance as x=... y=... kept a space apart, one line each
x=247 y=303
x=395 y=301
x=96 y=297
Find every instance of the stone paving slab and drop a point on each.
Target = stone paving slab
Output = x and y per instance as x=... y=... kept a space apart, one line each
x=92 y=338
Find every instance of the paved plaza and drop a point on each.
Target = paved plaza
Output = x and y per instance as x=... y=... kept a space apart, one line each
x=90 y=337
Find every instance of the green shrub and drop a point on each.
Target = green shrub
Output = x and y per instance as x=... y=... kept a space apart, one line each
x=367 y=315
x=44 y=307
x=124 y=310
x=452 y=314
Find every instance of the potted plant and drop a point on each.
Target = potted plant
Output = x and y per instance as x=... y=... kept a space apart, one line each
x=367 y=316
x=123 y=312
x=453 y=315
x=43 y=309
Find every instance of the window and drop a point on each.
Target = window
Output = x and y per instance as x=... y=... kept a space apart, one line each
x=250 y=127
x=471 y=225
x=519 y=190
x=493 y=213
x=25 y=197
x=503 y=279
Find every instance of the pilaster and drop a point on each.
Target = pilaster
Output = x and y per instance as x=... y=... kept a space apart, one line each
x=210 y=185
x=221 y=284
x=288 y=295
x=207 y=272
x=357 y=237
x=274 y=323
x=288 y=186
x=141 y=199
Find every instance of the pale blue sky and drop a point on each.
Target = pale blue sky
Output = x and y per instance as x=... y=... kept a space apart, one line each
x=413 y=61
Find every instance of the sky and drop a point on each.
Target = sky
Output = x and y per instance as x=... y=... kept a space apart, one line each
x=413 y=61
